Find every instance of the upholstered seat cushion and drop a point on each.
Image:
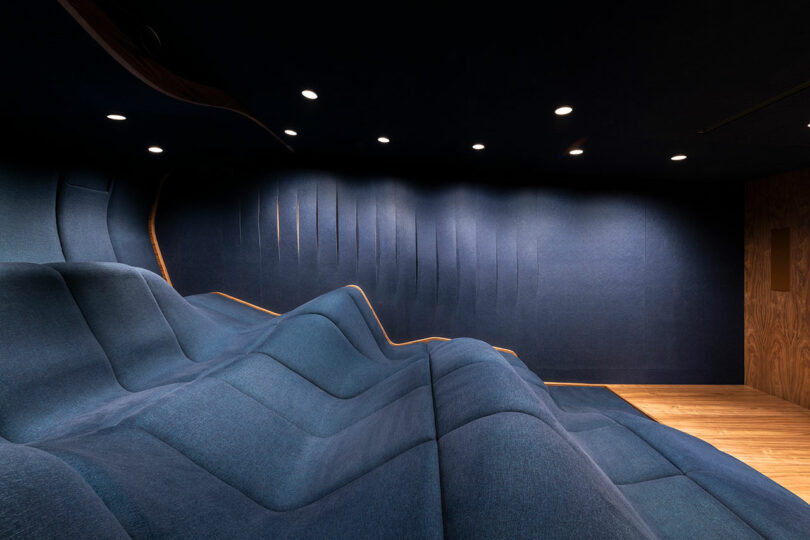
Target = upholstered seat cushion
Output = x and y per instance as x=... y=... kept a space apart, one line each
x=126 y=409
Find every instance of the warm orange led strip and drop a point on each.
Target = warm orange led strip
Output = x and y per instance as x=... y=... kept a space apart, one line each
x=254 y=306
x=423 y=340
x=162 y=265
x=153 y=235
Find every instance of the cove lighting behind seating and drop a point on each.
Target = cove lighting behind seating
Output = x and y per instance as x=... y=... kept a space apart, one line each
x=576 y=152
x=478 y=146
x=290 y=132
x=117 y=117
x=309 y=94
x=384 y=140
x=678 y=157
x=564 y=110
x=155 y=149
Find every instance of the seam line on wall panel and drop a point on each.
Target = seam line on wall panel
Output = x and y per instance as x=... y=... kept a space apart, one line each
x=416 y=249
x=457 y=265
x=317 y=223
x=298 y=226
x=259 y=237
x=376 y=236
x=153 y=234
x=56 y=193
x=337 y=226
x=278 y=223
x=111 y=184
x=497 y=267
x=436 y=246
x=396 y=241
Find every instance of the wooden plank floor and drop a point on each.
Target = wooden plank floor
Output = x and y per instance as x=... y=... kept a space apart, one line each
x=769 y=434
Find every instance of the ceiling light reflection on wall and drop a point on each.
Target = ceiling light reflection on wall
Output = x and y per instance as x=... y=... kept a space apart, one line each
x=155 y=149
x=478 y=146
x=564 y=110
x=576 y=152
x=384 y=140
x=116 y=117
x=309 y=94
x=678 y=157
x=290 y=132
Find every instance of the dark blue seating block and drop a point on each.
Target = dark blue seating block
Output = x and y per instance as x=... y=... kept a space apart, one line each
x=126 y=409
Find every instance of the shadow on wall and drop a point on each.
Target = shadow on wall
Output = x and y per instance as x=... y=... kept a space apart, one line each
x=586 y=285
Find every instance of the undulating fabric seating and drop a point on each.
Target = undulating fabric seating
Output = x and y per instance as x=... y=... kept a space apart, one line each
x=128 y=410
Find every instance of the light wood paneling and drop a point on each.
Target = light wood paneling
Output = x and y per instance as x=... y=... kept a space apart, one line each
x=767 y=433
x=777 y=323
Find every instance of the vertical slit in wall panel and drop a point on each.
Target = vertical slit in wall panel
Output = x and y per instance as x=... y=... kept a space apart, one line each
x=507 y=266
x=780 y=259
x=539 y=227
x=270 y=251
x=423 y=314
x=286 y=290
x=259 y=243
x=346 y=231
x=446 y=267
x=308 y=239
x=407 y=258
x=467 y=260
x=113 y=184
x=526 y=225
x=366 y=239
x=387 y=275
x=486 y=264
x=326 y=225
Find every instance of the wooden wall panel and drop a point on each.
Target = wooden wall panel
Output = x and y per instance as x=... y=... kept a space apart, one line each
x=777 y=323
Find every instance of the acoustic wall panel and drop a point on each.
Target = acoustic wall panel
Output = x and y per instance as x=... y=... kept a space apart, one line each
x=82 y=216
x=48 y=215
x=28 y=230
x=636 y=285
x=777 y=322
x=131 y=197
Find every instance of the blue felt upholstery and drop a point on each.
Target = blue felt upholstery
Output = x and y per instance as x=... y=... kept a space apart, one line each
x=638 y=284
x=126 y=409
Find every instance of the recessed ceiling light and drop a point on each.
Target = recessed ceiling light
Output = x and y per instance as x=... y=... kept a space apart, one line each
x=155 y=149
x=290 y=132
x=384 y=140
x=478 y=146
x=117 y=117
x=576 y=152
x=562 y=111
x=678 y=157
x=309 y=94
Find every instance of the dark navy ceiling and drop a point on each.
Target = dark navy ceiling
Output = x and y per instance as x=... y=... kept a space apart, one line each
x=643 y=78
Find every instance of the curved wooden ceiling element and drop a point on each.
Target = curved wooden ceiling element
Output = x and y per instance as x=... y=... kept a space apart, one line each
x=137 y=60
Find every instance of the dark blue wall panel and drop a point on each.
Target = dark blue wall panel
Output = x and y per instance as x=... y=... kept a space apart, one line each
x=28 y=230
x=630 y=285
x=48 y=215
